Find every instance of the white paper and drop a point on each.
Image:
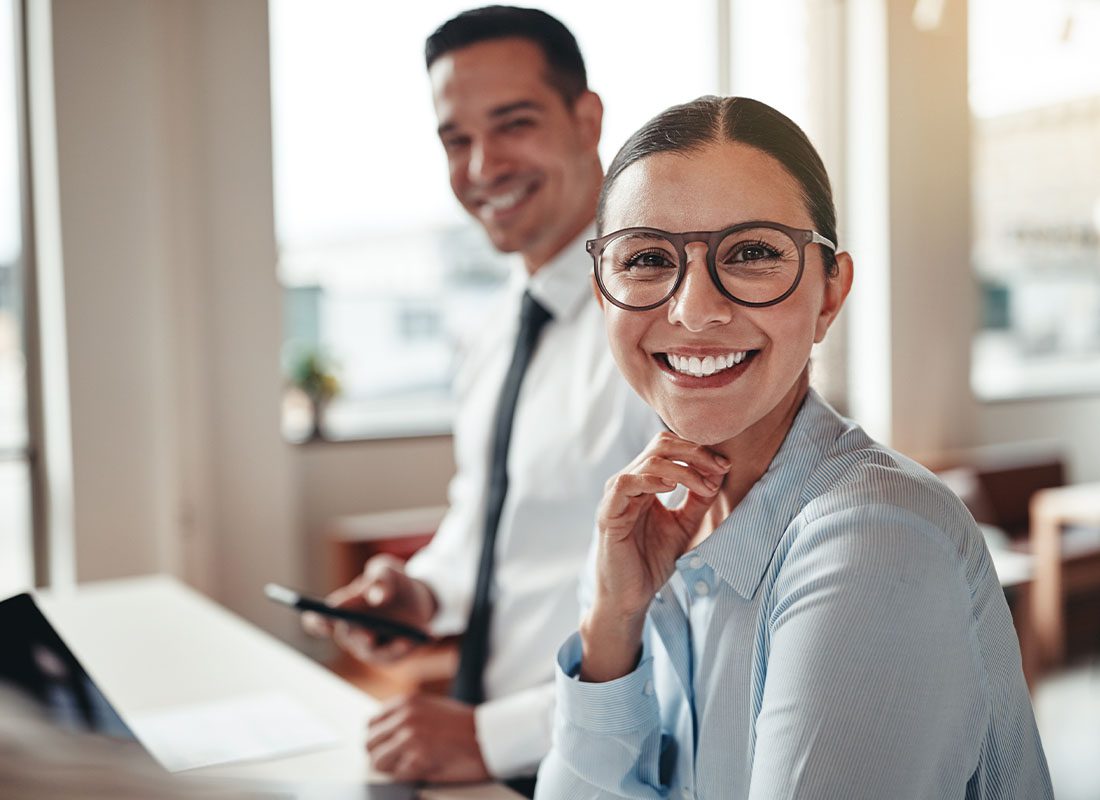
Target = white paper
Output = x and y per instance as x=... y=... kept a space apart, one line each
x=246 y=727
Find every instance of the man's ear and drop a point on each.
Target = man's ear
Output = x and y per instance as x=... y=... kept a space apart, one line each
x=836 y=290
x=588 y=111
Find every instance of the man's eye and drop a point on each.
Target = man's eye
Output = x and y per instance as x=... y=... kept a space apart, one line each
x=517 y=124
x=456 y=143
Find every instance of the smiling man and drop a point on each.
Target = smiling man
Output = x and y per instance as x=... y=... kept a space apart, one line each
x=544 y=417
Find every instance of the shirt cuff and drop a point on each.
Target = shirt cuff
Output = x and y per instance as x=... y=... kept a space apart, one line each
x=513 y=732
x=452 y=604
x=623 y=705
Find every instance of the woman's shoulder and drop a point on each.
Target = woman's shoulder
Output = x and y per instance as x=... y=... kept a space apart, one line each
x=877 y=505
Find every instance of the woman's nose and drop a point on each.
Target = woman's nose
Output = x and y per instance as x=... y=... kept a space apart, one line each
x=697 y=304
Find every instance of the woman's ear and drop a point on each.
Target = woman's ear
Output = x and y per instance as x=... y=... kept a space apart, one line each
x=837 y=287
x=596 y=290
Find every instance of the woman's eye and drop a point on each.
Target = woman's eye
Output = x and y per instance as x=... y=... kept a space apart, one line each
x=754 y=252
x=650 y=260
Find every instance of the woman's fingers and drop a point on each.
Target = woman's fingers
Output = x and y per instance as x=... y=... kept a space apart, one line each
x=656 y=474
x=626 y=490
x=670 y=446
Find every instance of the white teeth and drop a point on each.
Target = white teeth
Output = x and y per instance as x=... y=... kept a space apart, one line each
x=704 y=367
x=504 y=202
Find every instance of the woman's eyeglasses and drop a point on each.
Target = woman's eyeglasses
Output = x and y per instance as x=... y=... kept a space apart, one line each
x=754 y=263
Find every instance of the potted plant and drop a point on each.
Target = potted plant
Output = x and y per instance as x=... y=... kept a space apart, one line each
x=315 y=376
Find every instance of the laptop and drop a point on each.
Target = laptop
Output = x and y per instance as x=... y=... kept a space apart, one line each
x=37 y=664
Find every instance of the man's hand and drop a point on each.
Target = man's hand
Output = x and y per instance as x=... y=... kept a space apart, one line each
x=423 y=737
x=383 y=588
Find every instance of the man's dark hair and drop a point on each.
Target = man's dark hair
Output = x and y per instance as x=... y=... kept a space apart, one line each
x=564 y=63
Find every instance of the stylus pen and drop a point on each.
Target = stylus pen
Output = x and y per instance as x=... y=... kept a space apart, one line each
x=381 y=625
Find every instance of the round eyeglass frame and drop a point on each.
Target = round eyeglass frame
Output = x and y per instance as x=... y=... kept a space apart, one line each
x=800 y=236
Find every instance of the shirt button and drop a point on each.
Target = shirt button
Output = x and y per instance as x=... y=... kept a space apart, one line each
x=648 y=688
x=696 y=562
x=686 y=792
x=701 y=588
x=658 y=598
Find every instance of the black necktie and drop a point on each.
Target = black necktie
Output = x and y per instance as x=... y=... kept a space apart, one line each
x=474 y=652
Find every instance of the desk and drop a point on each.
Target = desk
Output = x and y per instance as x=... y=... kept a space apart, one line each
x=152 y=643
x=1051 y=511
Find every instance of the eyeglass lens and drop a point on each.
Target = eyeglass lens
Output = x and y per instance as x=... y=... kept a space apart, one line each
x=756 y=265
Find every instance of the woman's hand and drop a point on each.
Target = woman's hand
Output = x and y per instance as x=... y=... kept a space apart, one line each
x=639 y=542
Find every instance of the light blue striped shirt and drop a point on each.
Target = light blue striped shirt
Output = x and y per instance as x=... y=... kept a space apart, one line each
x=842 y=634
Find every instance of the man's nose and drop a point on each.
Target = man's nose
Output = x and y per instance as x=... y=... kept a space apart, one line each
x=487 y=162
x=697 y=304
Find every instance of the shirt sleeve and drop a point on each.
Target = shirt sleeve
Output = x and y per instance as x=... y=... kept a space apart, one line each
x=609 y=733
x=872 y=688
x=513 y=732
x=447 y=564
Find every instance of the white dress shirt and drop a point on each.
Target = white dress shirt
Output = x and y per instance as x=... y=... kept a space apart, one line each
x=577 y=423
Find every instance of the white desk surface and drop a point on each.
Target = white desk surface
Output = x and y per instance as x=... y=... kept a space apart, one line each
x=153 y=643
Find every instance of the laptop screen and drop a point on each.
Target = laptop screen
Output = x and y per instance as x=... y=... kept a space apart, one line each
x=34 y=661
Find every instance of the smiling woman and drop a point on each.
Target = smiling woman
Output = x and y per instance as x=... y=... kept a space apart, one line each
x=808 y=614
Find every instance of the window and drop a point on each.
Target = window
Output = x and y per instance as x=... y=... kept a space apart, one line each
x=1035 y=101
x=384 y=274
x=16 y=564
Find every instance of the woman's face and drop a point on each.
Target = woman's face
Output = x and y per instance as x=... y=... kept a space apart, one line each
x=712 y=189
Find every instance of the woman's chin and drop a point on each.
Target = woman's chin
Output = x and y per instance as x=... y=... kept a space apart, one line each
x=699 y=431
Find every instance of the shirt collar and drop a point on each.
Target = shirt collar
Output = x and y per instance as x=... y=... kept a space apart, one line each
x=740 y=549
x=562 y=284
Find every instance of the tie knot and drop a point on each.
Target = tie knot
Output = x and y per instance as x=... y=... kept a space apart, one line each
x=533 y=315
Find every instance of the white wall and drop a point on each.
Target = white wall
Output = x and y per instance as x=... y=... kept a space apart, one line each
x=173 y=312
x=909 y=197
x=355 y=477
x=113 y=204
x=1073 y=422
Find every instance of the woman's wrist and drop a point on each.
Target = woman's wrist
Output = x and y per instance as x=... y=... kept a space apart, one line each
x=610 y=644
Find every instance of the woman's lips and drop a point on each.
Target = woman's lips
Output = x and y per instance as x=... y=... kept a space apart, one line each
x=690 y=366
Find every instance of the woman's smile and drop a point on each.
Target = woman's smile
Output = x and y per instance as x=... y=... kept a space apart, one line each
x=704 y=368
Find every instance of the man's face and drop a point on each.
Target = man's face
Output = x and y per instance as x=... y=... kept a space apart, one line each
x=521 y=162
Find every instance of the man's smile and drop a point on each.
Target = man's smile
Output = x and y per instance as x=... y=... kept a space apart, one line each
x=499 y=205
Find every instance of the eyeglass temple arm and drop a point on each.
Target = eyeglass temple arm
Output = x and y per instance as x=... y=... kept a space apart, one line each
x=817 y=238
